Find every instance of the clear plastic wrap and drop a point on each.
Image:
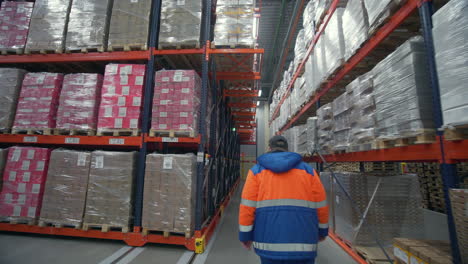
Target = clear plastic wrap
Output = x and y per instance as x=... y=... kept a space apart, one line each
x=355 y=27
x=180 y=22
x=65 y=189
x=129 y=26
x=342 y=107
x=299 y=49
x=24 y=179
x=79 y=101
x=325 y=124
x=403 y=97
x=169 y=195
x=311 y=128
x=459 y=201
x=110 y=189
x=3 y=159
x=388 y=206
x=48 y=25
x=379 y=11
x=299 y=139
x=9 y=92
x=121 y=97
x=14 y=25
x=333 y=43
x=88 y=25
x=235 y=23
x=308 y=22
x=38 y=101
x=451 y=50
x=176 y=101
x=321 y=8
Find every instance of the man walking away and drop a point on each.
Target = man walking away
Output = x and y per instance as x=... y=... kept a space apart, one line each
x=283 y=211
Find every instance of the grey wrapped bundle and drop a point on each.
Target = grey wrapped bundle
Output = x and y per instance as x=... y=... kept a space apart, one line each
x=379 y=11
x=299 y=49
x=333 y=44
x=308 y=22
x=235 y=23
x=311 y=128
x=9 y=92
x=341 y=115
x=180 y=22
x=325 y=128
x=355 y=27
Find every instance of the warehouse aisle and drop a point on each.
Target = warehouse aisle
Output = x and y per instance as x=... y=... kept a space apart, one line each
x=226 y=249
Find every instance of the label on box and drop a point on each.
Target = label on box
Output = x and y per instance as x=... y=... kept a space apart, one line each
x=162 y=126
x=124 y=79
x=177 y=78
x=125 y=90
x=112 y=69
x=400 y=254
x=21 y=199
x=81 y=160
x=29 y=99
x=186 y=79
x=19 y=37
x=40 y=165
x=16 y=155
x=133 y=1
x=44 y=110
x=66 y=114
x=121 y=101
x=183 y=114
x=99 y=162
x=163 y=114
x=23 y=18
x=200 y=156
x=108 y=111
x=9 y=9
x=165 y=91
x=180 y=2
x=170 y=140
x=32 y=212
x=137 y=101
x=133 y=123
x=164 y=102
x=36 y=188
x=139 y=80
x=116 y=141
x=16 y=211
x=45 y=98
x=12 y=176
x=40 y=79
x=5 y=28
x=111 y=90
x=122 y=111
x=26 y=176
x=126 y=70
x=25 y=165
x=118 y=123
x=31 y=153
x=8 y=198
x=165 y=79
x=25 y=110
x=72 y=140
x=184 y=102
x=183 y=126
x=21 y=188
x=185 y=90
x=167 y=163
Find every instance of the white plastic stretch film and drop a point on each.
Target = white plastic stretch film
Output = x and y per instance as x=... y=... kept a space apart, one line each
x=235 y=22
x=403 y=97
x=66 y=187
x=10 y=87
x=169 y=195
x=379 y=11
x=48 y=25
x=129 y=26
x=308 y=22
x=311 y=128
x=355 y=27
x=321 y=8
x=341 y=114
x=333 y=43
x=299 y=49
x=451 y=50
x=14 y=24
x=88 y=24
x=325 y=124
x=180 y=22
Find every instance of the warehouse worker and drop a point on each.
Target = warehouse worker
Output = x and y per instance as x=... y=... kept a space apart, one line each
x=283 y=211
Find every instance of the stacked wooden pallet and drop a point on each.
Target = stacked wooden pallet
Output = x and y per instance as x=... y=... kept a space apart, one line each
x=431 y=185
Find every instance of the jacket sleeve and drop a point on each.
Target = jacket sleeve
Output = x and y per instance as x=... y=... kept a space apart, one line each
x=247 y=208
x=322 y=210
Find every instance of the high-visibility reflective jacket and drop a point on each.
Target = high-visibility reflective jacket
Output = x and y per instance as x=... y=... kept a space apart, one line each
x=283 y=209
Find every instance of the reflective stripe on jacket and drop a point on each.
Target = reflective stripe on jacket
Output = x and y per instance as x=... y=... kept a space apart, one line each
x=283 y=207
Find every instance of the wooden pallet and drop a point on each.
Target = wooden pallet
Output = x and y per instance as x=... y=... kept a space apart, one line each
x=74 y=132
x=19 y=220
x=456 y=133
x=128 y=47
x=11 y=51
x=105 y=227
x=423 y=138
x=374 y=255
x=171 y=133
x=86 y=50
x=178 y=46
x=147 y=231
x=33 y=131
x=43 y=51
x=232 y=46
x=119 y=132
x=43 y=223
x=5 y=131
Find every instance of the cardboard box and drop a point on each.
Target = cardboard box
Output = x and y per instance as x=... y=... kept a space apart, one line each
x=14 y=24
x=9 y=92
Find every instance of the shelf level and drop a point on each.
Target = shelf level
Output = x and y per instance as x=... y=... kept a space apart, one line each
x=456 y=151
x=76 y=57
x=71 y=140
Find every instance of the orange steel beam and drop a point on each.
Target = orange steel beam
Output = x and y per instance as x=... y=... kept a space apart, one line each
x=77 y=57
x=177 y=52
x=238 y=76
x=240 y=93
x=237 y=51
x=346 y=248
x=242 y=105
x=246 y=124
x=239 y=113
x=244 y=119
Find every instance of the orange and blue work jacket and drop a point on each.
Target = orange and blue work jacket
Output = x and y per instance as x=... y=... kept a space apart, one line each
x=283 y=209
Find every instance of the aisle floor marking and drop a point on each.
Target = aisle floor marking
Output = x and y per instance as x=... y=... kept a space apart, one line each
x=186 y=257
x=119 y=253
x=131 y=256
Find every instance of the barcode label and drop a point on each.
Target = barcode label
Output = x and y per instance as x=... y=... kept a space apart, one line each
x=116 y=141
x=72 y=141
x=200 y=156
x=30 y=139
x=169 y=139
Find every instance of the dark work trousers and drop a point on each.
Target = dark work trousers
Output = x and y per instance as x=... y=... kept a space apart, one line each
x=274 y=261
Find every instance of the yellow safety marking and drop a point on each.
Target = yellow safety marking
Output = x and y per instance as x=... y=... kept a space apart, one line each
x=200 y=245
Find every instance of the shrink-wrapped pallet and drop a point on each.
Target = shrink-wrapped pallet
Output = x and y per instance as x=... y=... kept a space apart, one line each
x=403 y=97
x=88 y=25
x=308 y=22
x=48 y=26
x=65 y=189
x=14 y=26
x=79 y=101
x=23 y=184
x=379 y=11
x=325 y=126
x=110 y=190
x=342 y=107
x=311 y=128
x=321 y=8
x=235 y=23
x=333 y=43
x=451 y=50
x=9 y=92
x=299 y=49
x=169 y=195
x=176 y=102
x=180 y=22
x=38 y=102
x=129 y=26
x=355 y=27
x=121 y=97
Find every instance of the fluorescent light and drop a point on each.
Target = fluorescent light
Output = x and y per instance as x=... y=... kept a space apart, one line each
x=258 y=103
x=259 y=93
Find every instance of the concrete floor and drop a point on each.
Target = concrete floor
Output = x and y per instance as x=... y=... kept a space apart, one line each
x=224 y=248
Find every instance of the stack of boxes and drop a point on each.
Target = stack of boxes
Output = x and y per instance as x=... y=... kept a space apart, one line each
x=79 y=101
x=176 y=103
x=121 y=97
x=88 y=25
x=110 y=189
x=235 y=23
x=23 y=183
x=66 y=187
x=14 y=25
x=299 y=49
x=37 y=105
x=355 y=27
x=129 y=24
x=169 y=195
x=342 y=107
x=308 y=22
x=333 y=43
x=325 y=124
x=48 y=25
x=379 y=11
x=9 y=93
x=180 y=22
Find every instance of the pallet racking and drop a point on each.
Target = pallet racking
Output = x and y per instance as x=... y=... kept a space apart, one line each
x=446 y=152
x=218 y=154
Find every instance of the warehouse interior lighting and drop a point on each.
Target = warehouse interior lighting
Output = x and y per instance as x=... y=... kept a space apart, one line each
x=259 y=93
x=258 y=103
